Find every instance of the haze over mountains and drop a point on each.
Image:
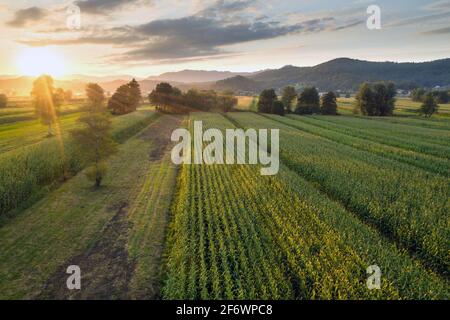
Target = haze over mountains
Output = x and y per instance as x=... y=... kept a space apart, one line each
x=197 y=76
x=339 y=74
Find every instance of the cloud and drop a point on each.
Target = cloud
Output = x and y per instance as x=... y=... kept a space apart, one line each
x=197 y=36
x=438 y=6
x=26 y=16
x=223 y=8
x=102 y=7
x=348 y=25
x=421 y=19
x=438 y=31
x=184 y=38
x=119 y=36
x=207 y=33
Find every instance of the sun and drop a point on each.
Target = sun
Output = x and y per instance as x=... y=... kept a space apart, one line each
x=37 y=61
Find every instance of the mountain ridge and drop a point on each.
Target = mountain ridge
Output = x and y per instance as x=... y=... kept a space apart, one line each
x=343 y=74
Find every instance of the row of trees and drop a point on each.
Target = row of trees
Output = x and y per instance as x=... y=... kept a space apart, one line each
x=308 y=102
x=170 y=99
x=47 y=99
x=378 y=99
x=420 y=95
x=93 y=136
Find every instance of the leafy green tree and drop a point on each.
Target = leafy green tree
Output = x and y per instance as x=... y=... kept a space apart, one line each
x=226 y=101
x=68 y=95
x=44 y=101
x=384 y=98
x=167 y=98
x=135 y=93
x=94 y=135
x=376 y=99
x=3 y=100
x=58 y=97
x=308 y=101
x=95 y=97
x=365 y=100
x=288 y=97
x=126 y=99
x=266 y=100
x=119 y=103
x=278 y=108
x=418 y=94
x=329 y=104
x=429 y=106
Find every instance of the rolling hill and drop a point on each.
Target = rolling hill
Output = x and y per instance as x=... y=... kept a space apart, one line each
x=197 y=76
x=347 y=74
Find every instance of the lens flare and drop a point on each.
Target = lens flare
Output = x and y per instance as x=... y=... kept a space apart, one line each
x=37 y=61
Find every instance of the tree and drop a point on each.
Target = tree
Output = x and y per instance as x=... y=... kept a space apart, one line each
x=226 y=101
x=58 y=97
x=95 y=97
x=68 y=94
x=119 y=102
x=377 y=99
x=364 y=100
x=384 y=98
x=126 y=98
x=441 y=96
x=94 y=136
x=288 y=97
x=135 y=94
x=278 y=108
x=429 y=106
x=168 y=99
x=329 y=105
x=43 y=101
x=418 y=94
x=266 y=100
x=3 y=100
x=308 y=101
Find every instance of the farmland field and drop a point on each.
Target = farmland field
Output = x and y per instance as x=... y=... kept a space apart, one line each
x=351 y=192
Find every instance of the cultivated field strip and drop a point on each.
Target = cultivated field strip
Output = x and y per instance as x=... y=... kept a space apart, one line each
x=407 y=205
x=420 y=160
x=411 y=279
x=296 y=251
x=411 y=143
x=431 y=123
x=29 y=172
x=428 y=135
x=408 y=275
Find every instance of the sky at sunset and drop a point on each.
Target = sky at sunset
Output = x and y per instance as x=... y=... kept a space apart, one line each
x=148 y=37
